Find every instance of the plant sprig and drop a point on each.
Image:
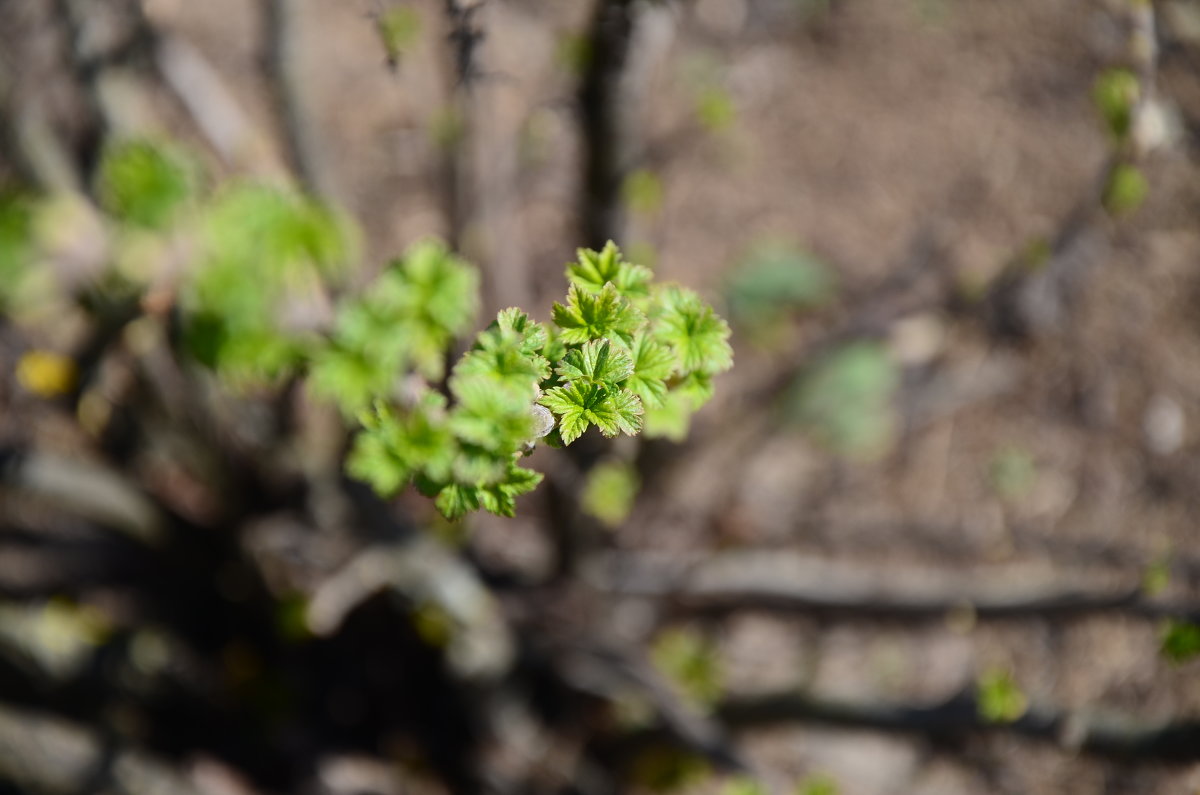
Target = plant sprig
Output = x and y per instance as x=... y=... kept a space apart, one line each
x=617 y=346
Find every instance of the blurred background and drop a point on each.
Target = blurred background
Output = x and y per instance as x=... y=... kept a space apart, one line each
x=936 y=533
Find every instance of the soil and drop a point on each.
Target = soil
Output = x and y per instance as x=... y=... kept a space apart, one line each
x=931 y=137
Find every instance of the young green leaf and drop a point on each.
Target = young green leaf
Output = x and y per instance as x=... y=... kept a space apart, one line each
x=455 y=500
x=594 y=269
x=589 y=316
x=599 y=362
x=533 y=334
x=491 y=414
x=653 y=364
x=698 y=336
x=501 y=354
x=145 y=183
x=580 y=404
x=1180 y=641
x=500 y=498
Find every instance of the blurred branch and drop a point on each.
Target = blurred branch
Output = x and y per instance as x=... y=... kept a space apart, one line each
x=1093 y=733
x=40 y=753
x=616 y=77
x=605 y=121
x=214 y=107
x=457 y=176
x=88 y=490
x=285 y=68
x=779 y=581
x=425 y=574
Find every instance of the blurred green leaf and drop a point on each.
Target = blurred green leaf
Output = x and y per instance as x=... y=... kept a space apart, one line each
x=665 y=769
x=698 y=335
x=743 y=785
x=643 y=192
x=594 y=269
x=399 y=28
x=819 y=784
x=715 y=109
x=1127 y=188
x=16 y=242
x=574 y=53
x=1115 y=94
x=846 y=399
x=653 y=364
x=609 y=493
x=1157 y=575
x=1180 y=641
x=145 y=183
x=774 y=280
x=999 y=698
x=1013 y=472
x=690 y=661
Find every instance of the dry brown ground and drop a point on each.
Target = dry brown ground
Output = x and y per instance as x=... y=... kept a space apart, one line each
x=858 y=134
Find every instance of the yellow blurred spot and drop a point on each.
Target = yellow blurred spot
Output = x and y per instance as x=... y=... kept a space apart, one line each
x=46 y=374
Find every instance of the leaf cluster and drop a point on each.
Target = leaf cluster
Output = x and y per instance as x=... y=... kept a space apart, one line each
x=615 y=348
x=253 y=271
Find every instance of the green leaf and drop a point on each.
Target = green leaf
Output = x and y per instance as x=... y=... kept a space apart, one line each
x=610 y=491
x=491 y=414
x=533 y=334
x=16 y=242
x=643 y=191
x=715 y=109
x=671 y=419
x=500 y=498
x=589 y=316
x=998 y=697
x=775 y=280
x=696 y=334
x=691 y=661
x=399 y=28
x=846 y=399
x=502 y=355
x=653 y=364
x=1127 y=188
x=1116 y=94
x=455 y=500
x=619 y=411
x=580 y=404
x=347 y=378
x=374 y=461
x=145 y=183
x=819 y=784
x=743 y=785
x=598 y=361
x=441 y=288
x=1180 y=641
x=594 y=269
x=393 y=446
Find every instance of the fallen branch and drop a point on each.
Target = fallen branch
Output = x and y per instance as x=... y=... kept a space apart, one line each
x=782 y=582
x=84 y=489
x=1075 y=731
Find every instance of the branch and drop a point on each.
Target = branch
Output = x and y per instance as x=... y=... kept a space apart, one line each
x=84 y=489
x=1103 y=735
x=604 y=121
x=284 y=68
x=783 y=582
